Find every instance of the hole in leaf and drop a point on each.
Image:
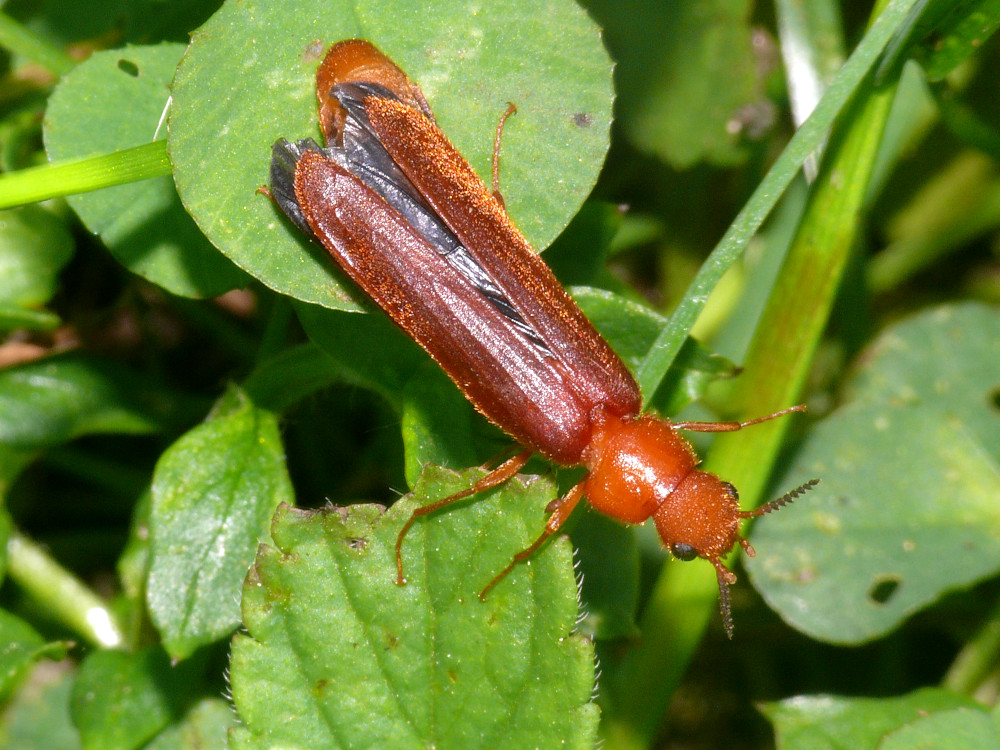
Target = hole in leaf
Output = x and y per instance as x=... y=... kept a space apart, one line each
x=128 y=68
x=884 y=589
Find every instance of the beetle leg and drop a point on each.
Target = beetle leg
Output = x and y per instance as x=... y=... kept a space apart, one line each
x=561 y=509
x=511 y=109
x=499 y=475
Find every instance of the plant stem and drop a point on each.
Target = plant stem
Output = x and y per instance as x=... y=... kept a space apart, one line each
x=22 y=40
x=778 y=362
x=61 y=593
x=781 y=353
x=84 y=175
x=764 y=198
x=978 y=659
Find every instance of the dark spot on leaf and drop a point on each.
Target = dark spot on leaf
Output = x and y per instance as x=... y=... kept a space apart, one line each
x=391 y=641
x=884 y=589
x=994 y=398
x=583 y=120
x=453 y=676
x=320 y=686
x=806 y=575
x=313 y=51
x=357 y=543
x=128 y=68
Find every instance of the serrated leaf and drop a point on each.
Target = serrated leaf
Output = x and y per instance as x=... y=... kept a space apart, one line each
x=34 y=246
x=338 y=655
x=55 y=399
x=122 y=700
x=469 y=64
x=111 y=102
x=833 y=723
x=20 y=648
x=214 y=491
x=910 y=473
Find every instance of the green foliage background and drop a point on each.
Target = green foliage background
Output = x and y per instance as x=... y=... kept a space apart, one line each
x=201 y=425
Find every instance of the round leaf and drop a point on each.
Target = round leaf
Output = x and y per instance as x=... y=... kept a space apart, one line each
x=910 y=474
x=248 y=79
x=114 y=101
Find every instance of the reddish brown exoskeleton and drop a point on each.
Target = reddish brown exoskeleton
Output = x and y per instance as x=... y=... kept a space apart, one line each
x=406 y=217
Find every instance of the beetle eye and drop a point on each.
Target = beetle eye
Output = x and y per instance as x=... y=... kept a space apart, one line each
x=683 y=551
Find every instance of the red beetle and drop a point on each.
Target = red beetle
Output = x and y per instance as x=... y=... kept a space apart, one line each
x=406 y=217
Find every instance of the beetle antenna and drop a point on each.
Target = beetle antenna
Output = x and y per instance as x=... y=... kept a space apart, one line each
x=726 y=577
x=724 y=608
x=781 y=502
